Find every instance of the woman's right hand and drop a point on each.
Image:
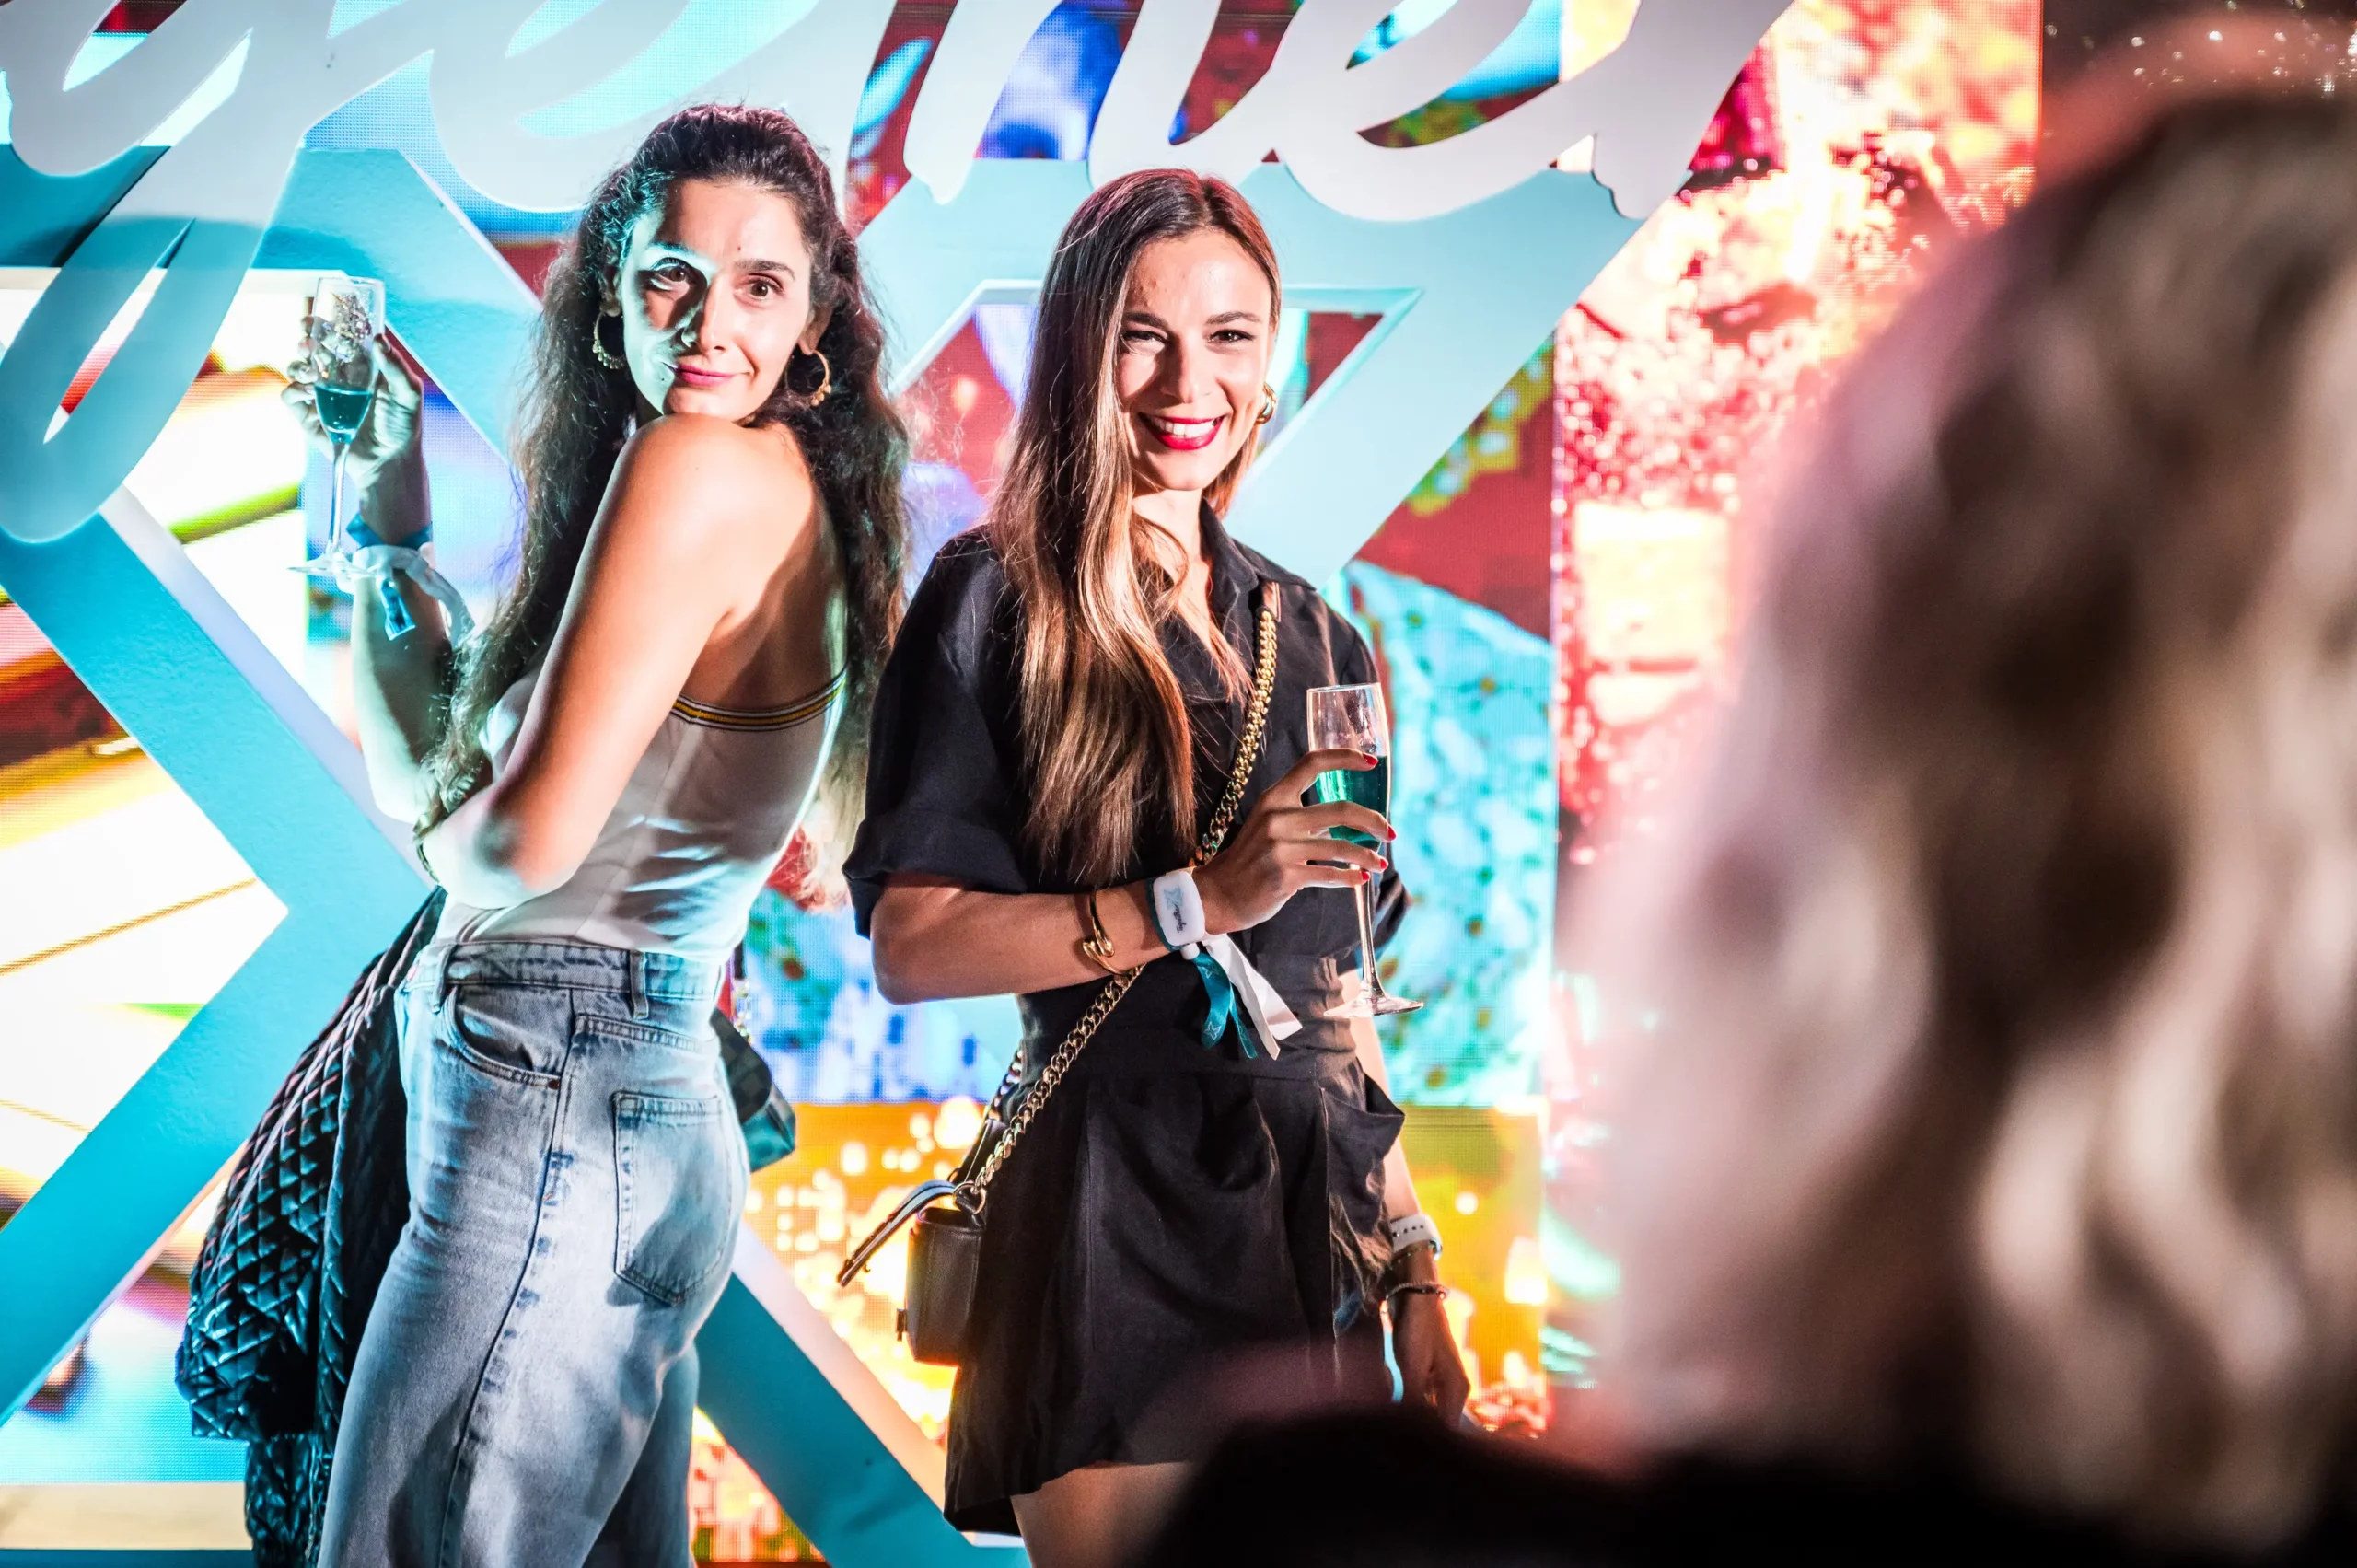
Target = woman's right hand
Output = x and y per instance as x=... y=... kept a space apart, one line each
x=386 y=463
x=1282 y=846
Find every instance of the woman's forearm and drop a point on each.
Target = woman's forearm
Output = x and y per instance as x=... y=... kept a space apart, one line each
x=1418 y=1264
x=486 y=856
x=1399 y=1186
x=935 y=941
x=395 y=683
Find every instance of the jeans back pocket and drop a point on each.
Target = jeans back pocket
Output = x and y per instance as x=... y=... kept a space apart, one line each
x=675 y=1189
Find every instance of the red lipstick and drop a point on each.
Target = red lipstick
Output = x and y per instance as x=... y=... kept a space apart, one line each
x=1183 y=435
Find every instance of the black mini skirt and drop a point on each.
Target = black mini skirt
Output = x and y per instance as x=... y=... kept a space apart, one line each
x=1172 y=1214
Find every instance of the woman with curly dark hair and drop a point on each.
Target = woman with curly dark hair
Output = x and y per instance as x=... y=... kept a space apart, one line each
x=602 y=779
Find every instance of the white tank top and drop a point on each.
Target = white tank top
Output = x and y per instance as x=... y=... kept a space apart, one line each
x=699 y=827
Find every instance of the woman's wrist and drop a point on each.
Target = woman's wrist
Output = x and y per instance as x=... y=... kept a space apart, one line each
x=434 y=850
x=394 y=498
x=1414 y=1265
x=1218 y=918
x=1125 y=916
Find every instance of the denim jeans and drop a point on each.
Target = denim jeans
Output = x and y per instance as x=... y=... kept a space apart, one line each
x=523 y=1390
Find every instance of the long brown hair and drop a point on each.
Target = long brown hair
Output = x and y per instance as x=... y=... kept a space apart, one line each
x=577 y=414
x=2000 y=1097
x=1107 y=745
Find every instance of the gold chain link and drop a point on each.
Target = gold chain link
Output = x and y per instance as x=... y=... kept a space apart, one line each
x=1256 y=724
x=1247 y=756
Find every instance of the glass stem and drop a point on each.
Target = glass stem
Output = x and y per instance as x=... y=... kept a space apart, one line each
x=1369 y=982
x=335 y=501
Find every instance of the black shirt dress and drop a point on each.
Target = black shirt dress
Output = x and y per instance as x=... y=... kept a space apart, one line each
x=1174 y=1206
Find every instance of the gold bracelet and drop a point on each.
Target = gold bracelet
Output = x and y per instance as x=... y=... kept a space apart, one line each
x=1095 y=944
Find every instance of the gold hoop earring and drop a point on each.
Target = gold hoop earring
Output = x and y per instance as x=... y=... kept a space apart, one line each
x=1269 y=408
x=597 y=344
x=826 y=377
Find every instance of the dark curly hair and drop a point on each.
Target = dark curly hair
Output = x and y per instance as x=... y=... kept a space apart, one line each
x=577 y=414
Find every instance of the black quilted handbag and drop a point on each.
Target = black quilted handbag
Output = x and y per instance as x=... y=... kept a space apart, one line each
x=290 y=1266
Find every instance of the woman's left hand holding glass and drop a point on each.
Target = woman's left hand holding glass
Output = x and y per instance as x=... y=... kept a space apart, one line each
x=386 y=463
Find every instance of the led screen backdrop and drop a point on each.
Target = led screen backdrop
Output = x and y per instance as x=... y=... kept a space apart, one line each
x=1550 y=605
x=1859 y=141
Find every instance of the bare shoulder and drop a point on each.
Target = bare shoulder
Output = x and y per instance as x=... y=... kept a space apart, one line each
x=693 y=476
x=714 y=458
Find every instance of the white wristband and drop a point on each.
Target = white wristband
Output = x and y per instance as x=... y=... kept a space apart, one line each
x=1179 y=912
x=1413 y=1230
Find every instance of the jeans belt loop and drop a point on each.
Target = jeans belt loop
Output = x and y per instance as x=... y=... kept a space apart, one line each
x=637 y=983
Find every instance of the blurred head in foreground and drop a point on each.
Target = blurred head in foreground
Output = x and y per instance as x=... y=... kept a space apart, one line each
x=2001 y=1105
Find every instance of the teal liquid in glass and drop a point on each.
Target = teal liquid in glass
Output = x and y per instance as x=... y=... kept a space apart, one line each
x=1370 y=788
x=343 y=408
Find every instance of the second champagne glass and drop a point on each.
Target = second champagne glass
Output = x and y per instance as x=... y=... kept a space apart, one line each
x=1350 y=718
x=340 y=329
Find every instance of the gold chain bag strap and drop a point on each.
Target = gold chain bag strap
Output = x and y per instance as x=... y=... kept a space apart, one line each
x=945 y=1247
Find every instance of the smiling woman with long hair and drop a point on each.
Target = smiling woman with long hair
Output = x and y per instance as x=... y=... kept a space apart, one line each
x=1066 y=708
x=603 y=780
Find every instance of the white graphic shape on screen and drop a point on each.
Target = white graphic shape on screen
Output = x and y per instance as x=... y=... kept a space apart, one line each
x=297 y=74
x=1647 y=103
x=1309 y=83
x=815 y=69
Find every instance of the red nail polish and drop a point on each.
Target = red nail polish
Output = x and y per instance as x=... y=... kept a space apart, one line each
x=1366 y=876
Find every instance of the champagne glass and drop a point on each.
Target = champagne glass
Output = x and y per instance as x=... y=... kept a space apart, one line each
x=339 y=326
x=1350 y=718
